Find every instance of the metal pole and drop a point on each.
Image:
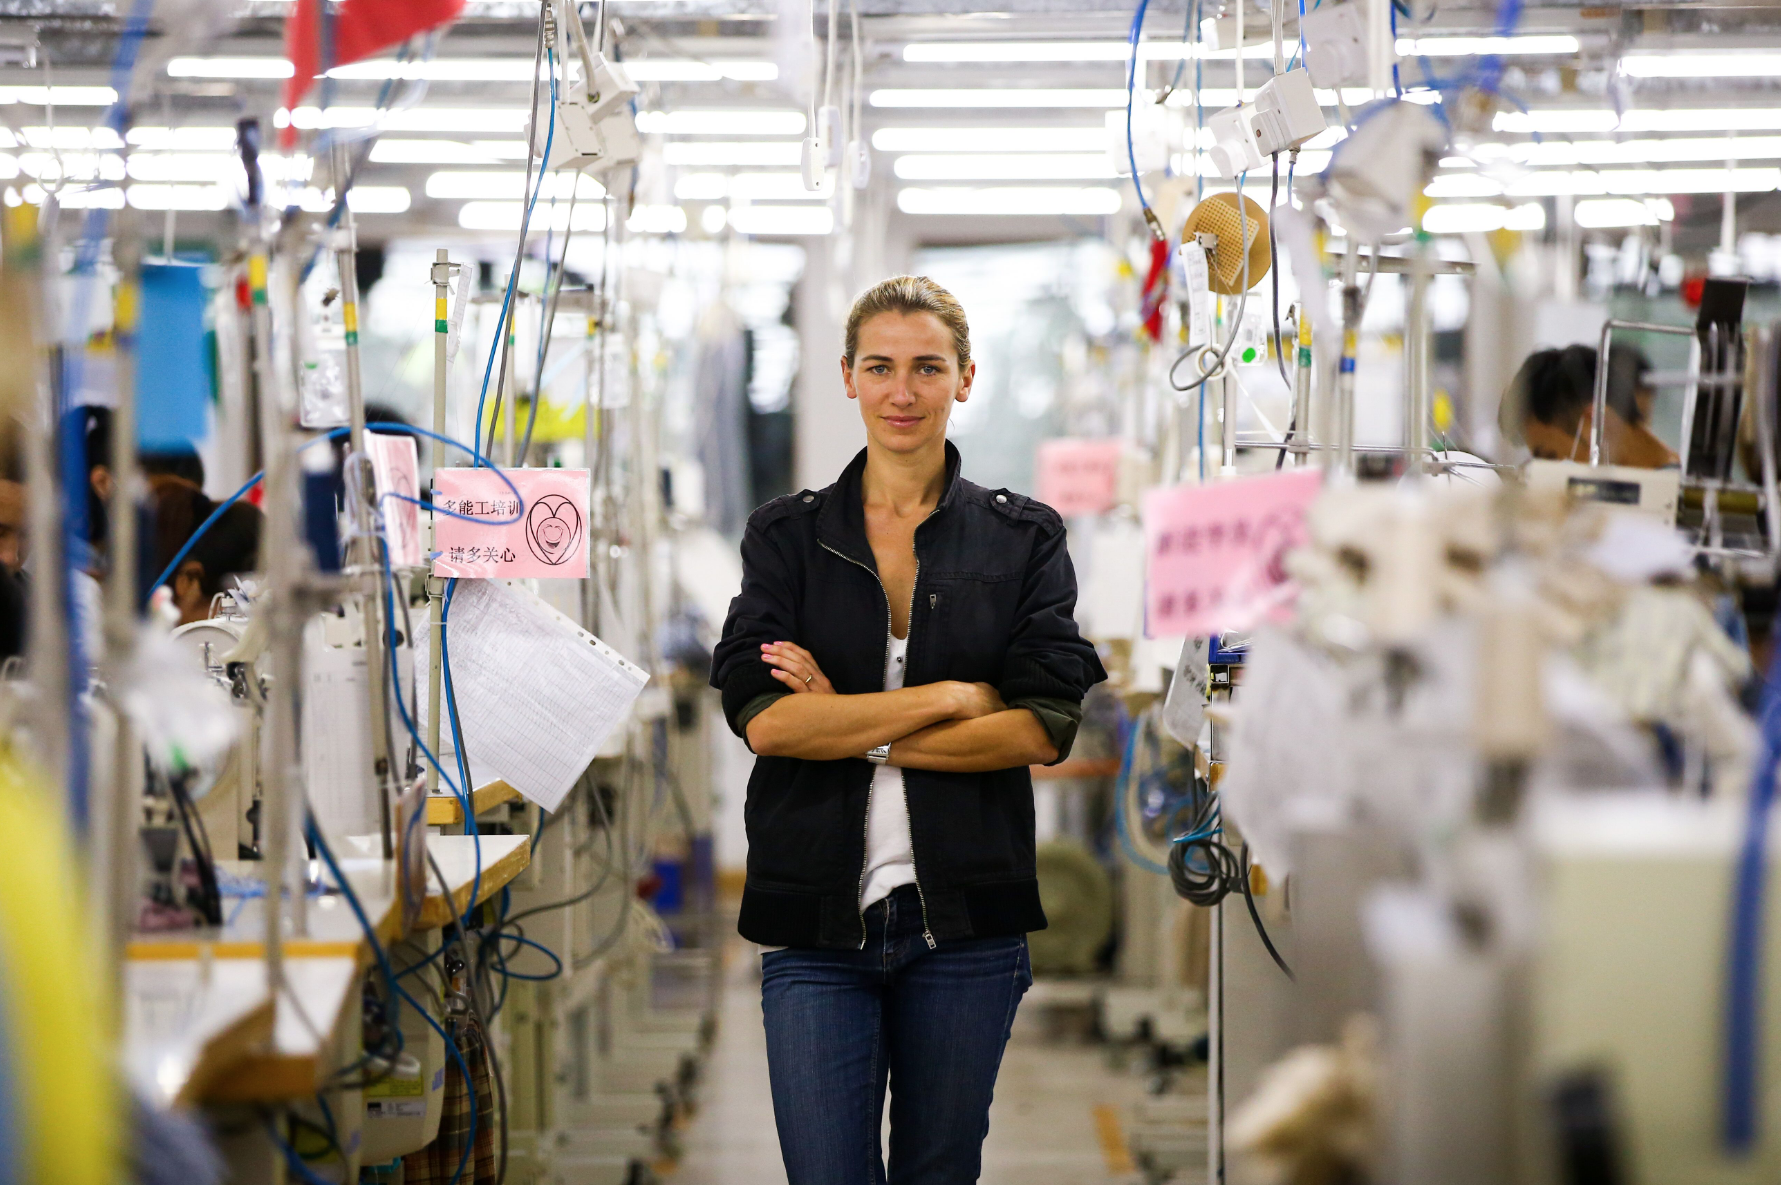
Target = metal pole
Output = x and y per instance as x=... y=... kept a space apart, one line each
x=363 y=553
x=117 y=817
x=280 y=561
x=1215 y=1051
x=442 y=269
x=1301 y=385
x=1416 y=369
x=1351 y=311
x=1227 y=408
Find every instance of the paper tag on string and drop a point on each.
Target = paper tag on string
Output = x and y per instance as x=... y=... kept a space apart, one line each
x=1078 y=476
x=1216 y=554
x=488 y=532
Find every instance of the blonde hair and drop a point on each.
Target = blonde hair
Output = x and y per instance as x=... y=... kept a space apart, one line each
x=910 y=294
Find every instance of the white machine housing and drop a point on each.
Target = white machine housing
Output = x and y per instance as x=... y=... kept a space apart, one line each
x=1284 y=115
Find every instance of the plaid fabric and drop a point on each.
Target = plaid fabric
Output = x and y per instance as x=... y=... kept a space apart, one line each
x=435 y=1164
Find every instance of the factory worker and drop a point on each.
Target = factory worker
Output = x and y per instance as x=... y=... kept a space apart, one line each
x=1549 y=407
x=228 y=547
x=902 y=650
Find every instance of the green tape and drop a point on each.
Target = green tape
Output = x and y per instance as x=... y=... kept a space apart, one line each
x=1305 y=356
x=439 y=327
x=352 y=339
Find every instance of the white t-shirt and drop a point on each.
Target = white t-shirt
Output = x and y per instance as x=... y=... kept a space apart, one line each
x=890 y=857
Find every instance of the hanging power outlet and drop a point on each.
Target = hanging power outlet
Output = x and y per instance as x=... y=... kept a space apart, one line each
x=828 y=130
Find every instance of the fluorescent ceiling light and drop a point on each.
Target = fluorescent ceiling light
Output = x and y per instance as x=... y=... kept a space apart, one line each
x=73 y=166
x=71 y=137
x=1464 y=47
x=1051 y=166
x=1216 y=98
x=1729 y=63
x=109 y=198
x=777 y=187
x=179 y=197
x=1089 y=139
x=782 y=220
x=512 y=185
x=735 y=122
x=64 y=96
x=712 y=219
x=1630 y=182
x=505 y=217
x=684 y=70
x=1641 y=152
x=183 y=166
x=656 y=220
x=430 y=152
x=702 y=187
x=1069 y=51
x=378 y=199
x=200 y=139
x=9 y=166
x=1088 y=200
x=718 y=153
x=1465 y=218
x=417 y=119
x=1002 y=97
x=230 y=68
x=1682 y=119
x=1599 y=213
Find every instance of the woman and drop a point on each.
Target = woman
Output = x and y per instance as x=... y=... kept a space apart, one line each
x=901 y=651
x=1550 y=407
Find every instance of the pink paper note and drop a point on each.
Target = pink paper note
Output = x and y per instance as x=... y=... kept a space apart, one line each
x=1216 y=553
x=1078 y=476
x=548 y=537
x=396 y=469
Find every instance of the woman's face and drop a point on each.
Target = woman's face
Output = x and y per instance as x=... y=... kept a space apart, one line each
x=906 y=377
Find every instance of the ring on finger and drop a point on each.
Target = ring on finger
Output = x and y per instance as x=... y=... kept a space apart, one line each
x=807 y=679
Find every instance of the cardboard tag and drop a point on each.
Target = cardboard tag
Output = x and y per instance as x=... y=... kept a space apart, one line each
x=1216 y=553
x=542 y=534
x=1079 y=476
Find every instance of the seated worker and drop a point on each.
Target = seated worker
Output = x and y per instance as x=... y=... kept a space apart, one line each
x=229 y=547
x=1549 y=407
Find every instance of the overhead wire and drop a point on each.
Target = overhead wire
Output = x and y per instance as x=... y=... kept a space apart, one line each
x=498 y=346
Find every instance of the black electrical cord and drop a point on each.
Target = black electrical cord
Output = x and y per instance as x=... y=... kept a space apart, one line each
x=599 y=883
x=210 y=898
x=1205 y=871
x=1256 y=917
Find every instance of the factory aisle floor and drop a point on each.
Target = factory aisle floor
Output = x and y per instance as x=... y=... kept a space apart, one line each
x=1058 y=1117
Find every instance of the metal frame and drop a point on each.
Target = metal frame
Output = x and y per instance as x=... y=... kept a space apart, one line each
x=1761 y=368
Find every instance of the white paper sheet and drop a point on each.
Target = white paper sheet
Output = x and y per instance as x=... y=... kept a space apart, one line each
x=536 y=694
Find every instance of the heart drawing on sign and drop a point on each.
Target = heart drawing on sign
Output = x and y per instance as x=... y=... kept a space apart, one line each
x=553 y=529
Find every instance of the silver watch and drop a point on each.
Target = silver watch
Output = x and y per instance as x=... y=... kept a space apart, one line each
x=878 y=756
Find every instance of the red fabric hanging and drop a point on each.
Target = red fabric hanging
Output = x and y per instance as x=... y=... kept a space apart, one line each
x=1156 y=290
x=359 y=28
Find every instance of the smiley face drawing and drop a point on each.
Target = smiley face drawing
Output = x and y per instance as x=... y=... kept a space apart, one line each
x=553 y=529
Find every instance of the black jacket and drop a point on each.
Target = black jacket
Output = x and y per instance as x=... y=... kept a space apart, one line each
x=993 y=602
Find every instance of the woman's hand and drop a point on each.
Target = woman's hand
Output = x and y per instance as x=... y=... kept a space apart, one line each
x=795 y=668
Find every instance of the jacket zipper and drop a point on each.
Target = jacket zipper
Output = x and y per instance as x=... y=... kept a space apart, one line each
x=866 y=830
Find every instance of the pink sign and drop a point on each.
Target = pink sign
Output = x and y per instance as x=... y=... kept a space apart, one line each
x=1216 y=553
x=396 y=469
x=541 y=533
x=1079 y=476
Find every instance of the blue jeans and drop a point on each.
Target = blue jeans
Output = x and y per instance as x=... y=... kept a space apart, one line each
x=931 y=1022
